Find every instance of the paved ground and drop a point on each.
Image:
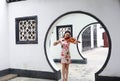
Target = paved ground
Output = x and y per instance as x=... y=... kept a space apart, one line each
x=28 y=79
x=81 y=72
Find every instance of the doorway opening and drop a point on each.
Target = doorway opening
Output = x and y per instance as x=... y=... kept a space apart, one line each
x=95 y=44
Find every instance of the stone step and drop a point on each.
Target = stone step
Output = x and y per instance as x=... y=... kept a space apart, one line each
x=8 y=77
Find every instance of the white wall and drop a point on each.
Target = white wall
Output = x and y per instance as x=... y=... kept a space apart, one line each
x=4 y=60
x=100 y=40
x=48 y=10
x=27 y=56
x=92 y=37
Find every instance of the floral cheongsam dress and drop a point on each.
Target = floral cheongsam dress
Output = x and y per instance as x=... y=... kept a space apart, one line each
x=65 y=54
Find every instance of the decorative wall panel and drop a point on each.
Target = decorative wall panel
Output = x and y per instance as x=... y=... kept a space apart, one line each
x=9 y=1
x=86 y=39
x=26 y=30
x=61 y=30
x=95 y=35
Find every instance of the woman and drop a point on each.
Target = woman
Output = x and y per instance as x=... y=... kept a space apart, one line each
x=65 y=54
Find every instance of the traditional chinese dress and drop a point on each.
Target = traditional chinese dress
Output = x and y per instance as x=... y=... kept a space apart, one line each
x=65 y=53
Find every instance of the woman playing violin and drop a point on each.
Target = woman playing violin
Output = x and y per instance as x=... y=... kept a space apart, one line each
x=65 y=53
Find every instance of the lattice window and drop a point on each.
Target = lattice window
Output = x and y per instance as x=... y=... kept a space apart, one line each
x=61 y=30
x=26 y=30
x=86 y=39
x=95 y=34
x=9 y=1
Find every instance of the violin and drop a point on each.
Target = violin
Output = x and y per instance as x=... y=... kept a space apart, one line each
x=71 y=39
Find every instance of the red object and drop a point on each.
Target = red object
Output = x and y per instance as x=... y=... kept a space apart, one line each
x=72 y=40
x=105 y=37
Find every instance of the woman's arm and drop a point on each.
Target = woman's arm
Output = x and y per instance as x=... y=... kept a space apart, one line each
x=55 y=43
x=76 y=41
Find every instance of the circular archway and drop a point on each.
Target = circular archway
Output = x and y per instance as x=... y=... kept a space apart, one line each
x=68 y=21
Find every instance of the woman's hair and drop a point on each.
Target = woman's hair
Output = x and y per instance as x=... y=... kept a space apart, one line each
x=67 y=32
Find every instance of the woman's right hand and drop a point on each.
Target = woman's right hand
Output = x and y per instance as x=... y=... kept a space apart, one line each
x=55 y=43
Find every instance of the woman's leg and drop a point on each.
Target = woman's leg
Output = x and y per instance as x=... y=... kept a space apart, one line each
x=63 y=71
x=67 y=71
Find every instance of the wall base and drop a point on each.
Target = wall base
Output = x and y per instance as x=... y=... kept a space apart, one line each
x=106 y=78
x=32 y=74
x=4 y=72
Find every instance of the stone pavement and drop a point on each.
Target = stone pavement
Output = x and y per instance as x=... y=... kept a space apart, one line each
x=28 y=79
x=80 y=72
